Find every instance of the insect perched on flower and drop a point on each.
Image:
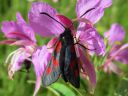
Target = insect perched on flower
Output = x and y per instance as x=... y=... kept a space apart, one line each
x=63 y=61
x=68 y=47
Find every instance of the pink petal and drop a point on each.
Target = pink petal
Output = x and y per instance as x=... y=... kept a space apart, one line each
x=17 y=35
x=37 y=86
x=115 y=34
x=15 y=64
x=18 y=30
x=105 y=3
x=40 y=59
x=42 y=23
x=83 y=5
x=89 y=68
x=8 y=27
x=20 y=19
x=95 y=14
x=9 y=41
x=23 y=43
x=111 y=67
x=115 y=69
x=90 y=38
x=120 y=53
x=25 y=28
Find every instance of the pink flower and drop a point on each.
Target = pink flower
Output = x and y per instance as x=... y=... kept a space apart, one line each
x=118 y=51
x=95 y=7
x=21 y=34
x=115 y=34
x=18 y=33
x=42 y=24
x=89 y=37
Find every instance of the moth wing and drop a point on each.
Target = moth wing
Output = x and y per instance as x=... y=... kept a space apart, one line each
x=71 y=68
x=52 y=71
x=62 y=61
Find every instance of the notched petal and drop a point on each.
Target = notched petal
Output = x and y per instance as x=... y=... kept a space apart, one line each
x=115 y=34
x=94 y=9
x=42 y=23
x=89 y=37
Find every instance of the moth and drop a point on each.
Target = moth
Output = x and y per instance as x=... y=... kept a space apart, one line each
x=63 y=62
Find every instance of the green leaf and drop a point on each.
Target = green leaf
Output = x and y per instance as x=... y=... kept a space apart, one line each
x=61 y=90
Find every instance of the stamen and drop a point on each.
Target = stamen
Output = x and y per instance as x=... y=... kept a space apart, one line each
x=13 y=60
x=85 y=47
x=9 y=57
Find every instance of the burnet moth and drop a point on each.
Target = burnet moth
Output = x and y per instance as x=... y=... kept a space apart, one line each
x=64 y=61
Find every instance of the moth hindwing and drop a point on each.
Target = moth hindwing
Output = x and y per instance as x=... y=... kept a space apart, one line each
x=52 y=72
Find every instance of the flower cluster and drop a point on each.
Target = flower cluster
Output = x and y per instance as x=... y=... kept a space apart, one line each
x=118 y=51
x=47 y=22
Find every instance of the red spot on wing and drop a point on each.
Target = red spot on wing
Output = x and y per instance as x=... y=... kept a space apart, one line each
x=55 y=62
x=58 y=47
x=49 y=70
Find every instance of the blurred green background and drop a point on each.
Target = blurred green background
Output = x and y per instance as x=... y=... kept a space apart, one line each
x=107 y=85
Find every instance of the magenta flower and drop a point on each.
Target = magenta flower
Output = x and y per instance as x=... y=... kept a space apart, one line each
x=92 y=11
x=115 y=34
x=95 y=8
x=118 y=52
x=89 y=37
x=123 y=53
x=21 y=34
x=46 y=26
x=18 y=33
x=52 y=24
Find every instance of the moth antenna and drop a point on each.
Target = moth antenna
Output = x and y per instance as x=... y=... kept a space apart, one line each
x=84 y=46
x=87 y=12
x=44 y=13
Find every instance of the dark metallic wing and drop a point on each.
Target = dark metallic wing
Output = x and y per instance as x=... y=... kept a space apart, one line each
x=71 y=68
x=52 y=71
